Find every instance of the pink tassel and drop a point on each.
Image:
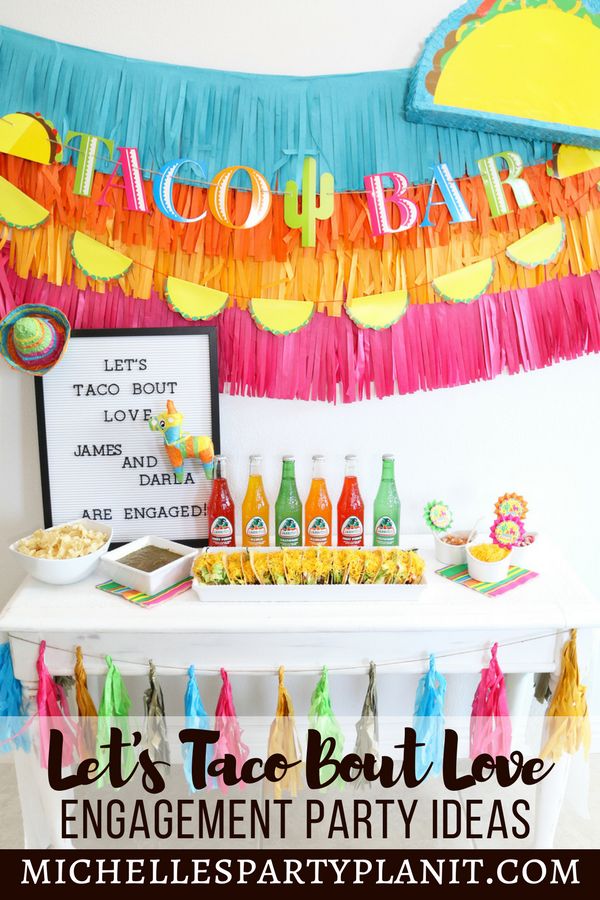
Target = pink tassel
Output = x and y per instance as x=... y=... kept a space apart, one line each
x=491 y=730
x=226 y=722
x=54 y=712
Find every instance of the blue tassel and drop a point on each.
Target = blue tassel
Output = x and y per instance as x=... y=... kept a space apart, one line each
x=195 y=717
x=354 y=125
x=429 y=720
x=12 y=713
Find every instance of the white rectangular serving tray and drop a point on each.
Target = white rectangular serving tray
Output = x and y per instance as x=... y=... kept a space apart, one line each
x=298 y=593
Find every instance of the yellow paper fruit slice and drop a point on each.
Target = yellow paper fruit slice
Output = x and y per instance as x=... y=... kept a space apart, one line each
x=379 y=310
x=96 y=260
x=17 y=209
x=466 y=284
x=540 y=246
x=281 y=316
x=194 y=301
x=568 y=160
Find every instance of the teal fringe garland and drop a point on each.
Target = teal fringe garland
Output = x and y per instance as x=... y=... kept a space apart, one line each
x=353 y=124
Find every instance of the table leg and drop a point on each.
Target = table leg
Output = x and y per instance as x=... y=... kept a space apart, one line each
x=549 y=798
x=40 y=805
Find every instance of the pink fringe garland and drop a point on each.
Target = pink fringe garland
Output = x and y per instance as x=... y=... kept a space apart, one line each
x=433 y=346
x=491 y=730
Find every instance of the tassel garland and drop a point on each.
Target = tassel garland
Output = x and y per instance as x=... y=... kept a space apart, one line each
x=283 y=739
x=53 y=710
x=226 y=723
x=155 y=738
x=195 y=717
x=86 y=710
x=12 y=711
x=491 y=730
x=367 y=727
x=429 y=720
x=113 y=710
x=322 y=718
x=567 y=726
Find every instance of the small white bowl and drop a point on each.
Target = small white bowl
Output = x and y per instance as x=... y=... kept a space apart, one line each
x=65 y=571
x=487 y=571
x=159 y=579
x=527 y=555
x=450 y=554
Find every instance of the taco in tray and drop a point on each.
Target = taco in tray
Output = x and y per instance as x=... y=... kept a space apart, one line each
x=356 y=566
x=416 y=567
x=233 y=565
x=275 y=563
x=292 y=566
x=372 y=566
x=210 y=568
x=339 y=566
x=249 y=575
x=310 y=564
x=324 y=565
x=260 y=565
x=389 y=567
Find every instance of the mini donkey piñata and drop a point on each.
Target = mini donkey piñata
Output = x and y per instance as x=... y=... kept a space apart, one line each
x=181 y=446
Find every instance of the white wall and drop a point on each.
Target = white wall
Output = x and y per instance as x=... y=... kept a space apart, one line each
x=537 y=433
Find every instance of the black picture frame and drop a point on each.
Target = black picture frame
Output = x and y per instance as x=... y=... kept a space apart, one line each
x=209 y=331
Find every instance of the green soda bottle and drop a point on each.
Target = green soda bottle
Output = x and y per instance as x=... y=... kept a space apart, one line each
x=288 y=508
x=386 y=510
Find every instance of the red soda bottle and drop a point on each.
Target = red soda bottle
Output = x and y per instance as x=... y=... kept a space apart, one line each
x=221 y=510
x=350 y=510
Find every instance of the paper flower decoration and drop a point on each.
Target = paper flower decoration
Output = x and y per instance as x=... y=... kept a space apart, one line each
x=511 y=505
x=507 y=531
x=438 y=516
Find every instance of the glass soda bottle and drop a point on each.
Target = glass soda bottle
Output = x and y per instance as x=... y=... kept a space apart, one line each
x=386 y=510
x=350 y=509
x=288 y=508
x=318 y=509
x=255 y=508
x=221 y=509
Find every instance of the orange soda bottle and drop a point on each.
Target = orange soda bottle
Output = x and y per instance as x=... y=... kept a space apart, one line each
x=318 y=509
x=350 y=509
x=255 y=508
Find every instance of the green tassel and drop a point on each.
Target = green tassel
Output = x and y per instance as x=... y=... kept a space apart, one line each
x=322 y=718
x=113 y=712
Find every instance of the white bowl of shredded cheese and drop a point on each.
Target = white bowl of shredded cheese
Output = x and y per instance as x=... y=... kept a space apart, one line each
x=65 y=553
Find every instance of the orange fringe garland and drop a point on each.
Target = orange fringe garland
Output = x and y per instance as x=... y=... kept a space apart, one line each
x=567 y=718
x=268 y=260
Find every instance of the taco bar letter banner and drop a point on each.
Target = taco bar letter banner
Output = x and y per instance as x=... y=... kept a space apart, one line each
x=129 y=409
x=342 y=242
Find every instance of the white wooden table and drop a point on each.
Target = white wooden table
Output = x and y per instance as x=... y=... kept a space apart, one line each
x=531 y=623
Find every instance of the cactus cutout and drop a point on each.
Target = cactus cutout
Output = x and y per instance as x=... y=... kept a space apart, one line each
x=304 y=212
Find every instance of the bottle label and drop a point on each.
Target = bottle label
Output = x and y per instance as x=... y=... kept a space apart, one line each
x=288 y=532
x=386 y=533
x=318 y=530
x=352 y=531
x=256 y=530
x=221 y=531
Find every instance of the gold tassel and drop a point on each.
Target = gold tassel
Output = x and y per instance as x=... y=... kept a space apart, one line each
x=88 y=715
x=567 y=718
x=284 y=739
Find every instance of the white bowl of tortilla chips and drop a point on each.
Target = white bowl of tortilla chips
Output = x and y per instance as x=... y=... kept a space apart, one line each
x=65 y=553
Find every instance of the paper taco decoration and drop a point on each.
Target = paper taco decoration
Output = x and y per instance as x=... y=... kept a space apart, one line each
x=33 y=338
x=30 y=136
x=519 y=67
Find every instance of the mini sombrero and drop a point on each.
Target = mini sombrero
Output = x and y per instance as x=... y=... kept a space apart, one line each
x=34 y=337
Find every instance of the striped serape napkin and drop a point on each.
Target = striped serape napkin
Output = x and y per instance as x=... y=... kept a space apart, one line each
x=516 y=576
x=145 y=600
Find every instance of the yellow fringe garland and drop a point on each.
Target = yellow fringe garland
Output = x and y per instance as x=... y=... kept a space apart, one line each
x=86 y=709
